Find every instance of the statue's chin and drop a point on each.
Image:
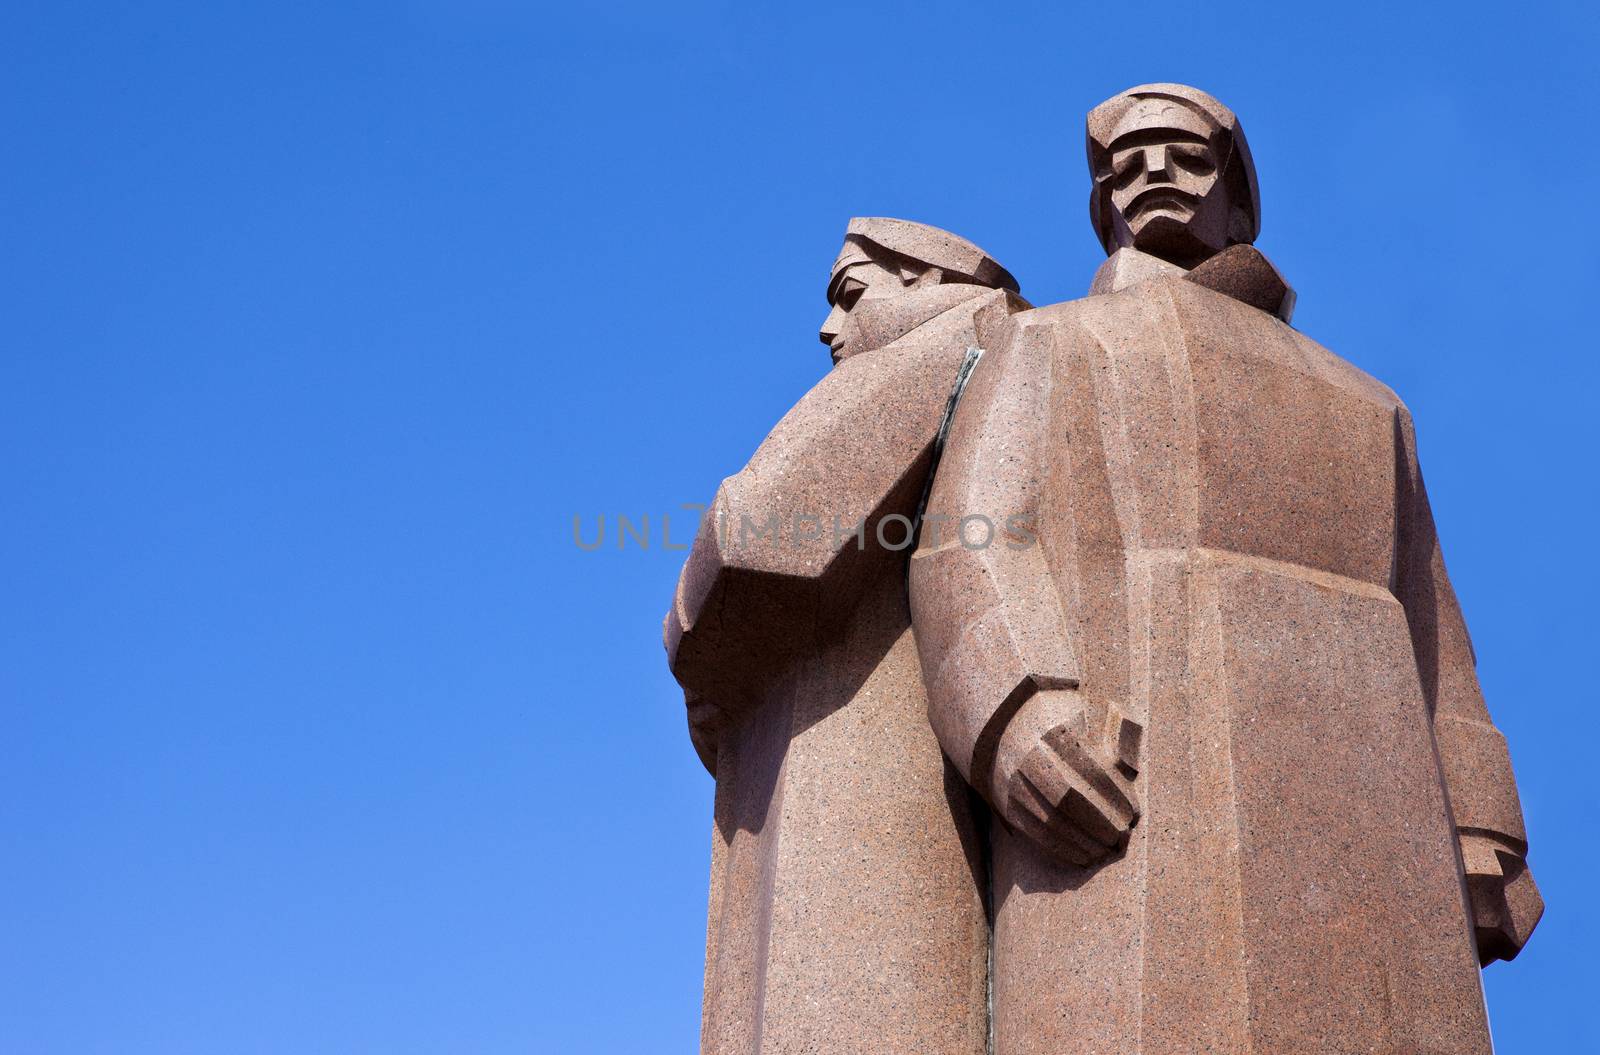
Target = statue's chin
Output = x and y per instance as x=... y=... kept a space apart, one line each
x=1171 y=238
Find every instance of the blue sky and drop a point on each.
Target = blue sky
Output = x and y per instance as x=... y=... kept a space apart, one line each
x=322 y=321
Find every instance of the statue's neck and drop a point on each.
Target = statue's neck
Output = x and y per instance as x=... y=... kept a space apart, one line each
x=1128 y=266
x=1239 y=271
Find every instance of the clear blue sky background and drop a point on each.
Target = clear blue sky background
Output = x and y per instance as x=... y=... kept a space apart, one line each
x=321 y=322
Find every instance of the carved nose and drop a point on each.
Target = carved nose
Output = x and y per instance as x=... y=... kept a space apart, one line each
x=1156 y=165
x=831 y=326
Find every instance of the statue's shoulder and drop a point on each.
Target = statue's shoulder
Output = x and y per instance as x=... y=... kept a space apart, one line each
x=1178 y=312
x=1130 y=307
x=1047 y=314
x=1061 y=313
x=1211 y=315
x=942 y=341
x=1339 y=371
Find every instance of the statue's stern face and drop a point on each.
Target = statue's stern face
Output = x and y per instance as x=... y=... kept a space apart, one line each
x=1166 y=192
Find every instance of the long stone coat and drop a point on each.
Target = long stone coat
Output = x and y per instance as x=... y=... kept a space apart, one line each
x=847 y=905
x=1234 y=551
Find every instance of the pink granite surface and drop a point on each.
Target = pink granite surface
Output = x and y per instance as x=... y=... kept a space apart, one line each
x=848 y=885
x=1190 y=757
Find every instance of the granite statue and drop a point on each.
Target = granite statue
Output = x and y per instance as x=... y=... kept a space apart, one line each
x=1189 y=754
x=847 y=911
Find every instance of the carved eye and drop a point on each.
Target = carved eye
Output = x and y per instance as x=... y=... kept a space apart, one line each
x=1126 y=168
x=1193 y=159
x=850 y=291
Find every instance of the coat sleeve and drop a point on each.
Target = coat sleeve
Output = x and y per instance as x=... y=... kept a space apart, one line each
x=788 y=545
x=1473 y=756
x=991 y=632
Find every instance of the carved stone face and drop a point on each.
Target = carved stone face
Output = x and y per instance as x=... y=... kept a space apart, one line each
x=867 y=298
x=1167 y=194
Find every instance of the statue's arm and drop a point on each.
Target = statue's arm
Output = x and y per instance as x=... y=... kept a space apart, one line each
x=790 y=541
x=997 y=649
x=1473 y=754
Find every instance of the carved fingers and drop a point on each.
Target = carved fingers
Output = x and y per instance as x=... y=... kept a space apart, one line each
x=1505 y=901
x=706 y=722
x=1051 y=803
x=1070 y=790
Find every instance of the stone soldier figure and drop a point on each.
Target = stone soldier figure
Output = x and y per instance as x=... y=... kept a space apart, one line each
x=1225 y=709
x=846 y=910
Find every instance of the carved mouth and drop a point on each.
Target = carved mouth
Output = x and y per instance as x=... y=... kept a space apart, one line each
x=1161 y=198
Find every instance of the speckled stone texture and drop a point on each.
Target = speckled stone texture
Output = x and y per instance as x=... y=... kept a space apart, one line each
x=847 y=892
x=1273 y=815
x=1221 y=524
x=1216 y=775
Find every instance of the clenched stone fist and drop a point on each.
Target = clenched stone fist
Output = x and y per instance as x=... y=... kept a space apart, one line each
x=1065 y=779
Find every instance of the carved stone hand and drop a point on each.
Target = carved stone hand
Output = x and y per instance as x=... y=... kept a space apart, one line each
x=1064 y=780
x=706 y=723
x=1505 y=902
